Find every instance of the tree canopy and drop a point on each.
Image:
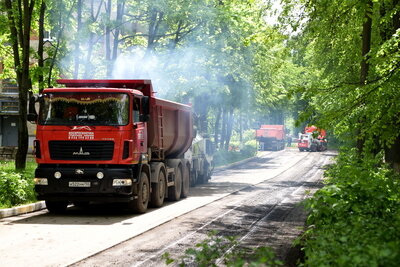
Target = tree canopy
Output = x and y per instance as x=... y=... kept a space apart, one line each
x=221 y=56
x=331 y=63
x=349 y=51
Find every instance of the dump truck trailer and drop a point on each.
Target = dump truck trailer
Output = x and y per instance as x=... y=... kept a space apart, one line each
x=271 y=137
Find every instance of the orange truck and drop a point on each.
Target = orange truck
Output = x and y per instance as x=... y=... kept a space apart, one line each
x=312 y=139
x=271 y=137
x=112 y=141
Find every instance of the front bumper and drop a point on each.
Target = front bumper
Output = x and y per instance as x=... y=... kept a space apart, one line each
x=95 y=189
x=302 y=145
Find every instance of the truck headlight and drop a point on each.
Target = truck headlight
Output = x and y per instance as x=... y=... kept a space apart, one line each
x=57 y=175
x=40 y=181
x=122 y=182
x=100 y=175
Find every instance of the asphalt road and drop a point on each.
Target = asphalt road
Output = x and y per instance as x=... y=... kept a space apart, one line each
x=255 y=201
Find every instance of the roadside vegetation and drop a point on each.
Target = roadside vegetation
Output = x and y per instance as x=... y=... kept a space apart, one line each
x=350 y=56
x=240 y=148
x=354 y=219
x=16 y=188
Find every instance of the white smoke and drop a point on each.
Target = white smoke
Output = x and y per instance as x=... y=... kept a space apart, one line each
x=135 y=65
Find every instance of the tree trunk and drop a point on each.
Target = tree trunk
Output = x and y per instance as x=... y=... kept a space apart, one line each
x=240 y=127
x=108 y=38
x=396 y=17
x=20 y=28
x=223 y=129
x=216 y=126
x=392 y=155
x=119 y=19
x=156 y=18
x=58 y=43
x=365 y=49
x=201 y=108
x=41 y=47
x=78 y=39
x=366 y=42
x=229 y=128
x=88 y=74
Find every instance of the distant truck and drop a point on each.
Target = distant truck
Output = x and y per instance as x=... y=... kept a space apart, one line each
x=312 y=139
x=113 y=141
x=271 y=137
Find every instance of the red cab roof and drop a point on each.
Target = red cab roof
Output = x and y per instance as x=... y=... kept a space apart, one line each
x=144 y=86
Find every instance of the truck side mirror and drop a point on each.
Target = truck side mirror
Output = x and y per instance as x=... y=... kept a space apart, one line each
x=32 y=117
x=144 y=117
x=145 y=105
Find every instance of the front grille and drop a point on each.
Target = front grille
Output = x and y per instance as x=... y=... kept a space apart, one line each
x=81 y=150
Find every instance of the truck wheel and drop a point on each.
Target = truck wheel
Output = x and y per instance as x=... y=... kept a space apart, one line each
x=139 y=205
x=185 y=182
x=203 y=178
x=158 y=191
x=56 y=206
x=174 y=192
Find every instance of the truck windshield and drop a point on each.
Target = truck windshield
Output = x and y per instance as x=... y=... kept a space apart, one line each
x=84 y=109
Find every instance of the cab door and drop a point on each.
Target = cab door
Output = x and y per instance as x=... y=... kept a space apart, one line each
x=140 y=131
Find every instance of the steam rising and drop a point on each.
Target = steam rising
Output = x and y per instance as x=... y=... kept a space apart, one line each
x=135 y=65
x=174 y=74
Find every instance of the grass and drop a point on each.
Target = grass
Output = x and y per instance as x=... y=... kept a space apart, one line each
x=223 y=157
x=16 y=188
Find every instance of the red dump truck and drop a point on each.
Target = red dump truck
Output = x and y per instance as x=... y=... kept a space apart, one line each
x=312 y=139
x=271 y=137
x=111 y=141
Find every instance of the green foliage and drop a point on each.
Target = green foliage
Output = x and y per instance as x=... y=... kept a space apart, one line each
x=223 y=157
x=16 y=187
x=218 y=55
x=328 y=50
x=216 y=250
x=354 y=219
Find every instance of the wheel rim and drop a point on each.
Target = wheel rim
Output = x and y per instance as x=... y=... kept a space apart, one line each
x=161 y=188
x=145 y=193
x=179 y=182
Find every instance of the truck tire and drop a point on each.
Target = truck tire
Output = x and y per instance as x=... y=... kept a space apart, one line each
x=203 y=178
x=139 y=205
x=56 y=206
x=174 y=192
x=185 y=182
x=158 y=190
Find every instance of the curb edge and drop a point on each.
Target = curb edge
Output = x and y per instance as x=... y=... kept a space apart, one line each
x=4 y=213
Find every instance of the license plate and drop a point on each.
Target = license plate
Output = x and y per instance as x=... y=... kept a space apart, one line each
x=79 y=184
